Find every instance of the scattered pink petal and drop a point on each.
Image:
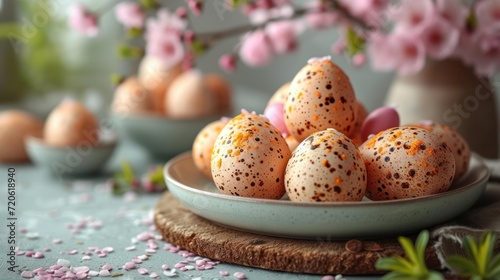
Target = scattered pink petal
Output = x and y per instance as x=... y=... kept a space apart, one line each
x=102 y=255
x=72 y=252
x=143 y=257
x=86 y=258
x=164 y=266
x=27 y=274
x=38 y=255
x=108 y=249
x=240 y=275
x=104 y=273
x=154 y=275
x=106 y=267
x=142 y=270
x=136 y=260
x=47 y=249
x=23 y=230
x=130 y=248
x=327 y=277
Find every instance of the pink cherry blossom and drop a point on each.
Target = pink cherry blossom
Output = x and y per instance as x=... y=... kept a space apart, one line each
x=440 y=38
x=485 y=51
x=228 y=63
x=256 y=49
x=167 y=48
x=381 y=50
x=358 y=59
x=413 y=15
x=453 y=11
x=319 y=17
x=165 y=22
x=488 y=12
x=260 y=16
x=83 y=21
x=195 y=6
x=130 y=14
x=282 y=36
x=368 y=10
x=400 y=51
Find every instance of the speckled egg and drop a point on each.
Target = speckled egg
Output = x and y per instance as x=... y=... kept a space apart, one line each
x=455 y=141
x=320 y=97
x=132 y=98
x=406 y=162
x=203 y=145
x=156 y=78
x=280 y=95
x=249 y=158
x=326 y=166
x=15 y=126
x=188 y=97
x=71 y=124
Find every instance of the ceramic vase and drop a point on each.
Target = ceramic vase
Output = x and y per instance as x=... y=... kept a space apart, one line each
x=450 y=93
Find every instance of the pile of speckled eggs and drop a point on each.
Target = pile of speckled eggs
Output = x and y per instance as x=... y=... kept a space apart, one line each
x=315 y=142
x=172 y=92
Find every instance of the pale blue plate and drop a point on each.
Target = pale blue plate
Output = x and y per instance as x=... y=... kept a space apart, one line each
x=332 y=220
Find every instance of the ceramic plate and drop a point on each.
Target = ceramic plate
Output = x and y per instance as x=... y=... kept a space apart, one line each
x=333 y=220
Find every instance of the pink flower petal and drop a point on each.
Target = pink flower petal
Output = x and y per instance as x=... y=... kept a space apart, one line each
x=228 y=63
x=130 y=14
x=256 y=49
x=282 y=36
x=83 y=21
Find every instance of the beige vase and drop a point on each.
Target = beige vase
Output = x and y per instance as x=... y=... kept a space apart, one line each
x=450 y=93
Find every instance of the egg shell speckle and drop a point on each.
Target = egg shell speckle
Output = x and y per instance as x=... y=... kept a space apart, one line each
x=320 y=97
x=132 y=98
x=406 y=162
x=455 y=141
x=203 y=145
x=249 y=158
x=326 y=166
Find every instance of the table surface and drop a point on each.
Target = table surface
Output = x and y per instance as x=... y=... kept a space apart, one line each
x=84 y=215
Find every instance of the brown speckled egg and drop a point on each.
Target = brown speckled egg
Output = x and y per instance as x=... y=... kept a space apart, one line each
x=320 y=97
x=455 y=141
x=15 y=126
x=131 y=98
x=71 y=124
x=222 y=91
x=326 y=166
x=188 y=97
x=156 y=78
x=249 y=158
x=203 y=145
x=280 y=95
x=406 y=162
x=361 y=115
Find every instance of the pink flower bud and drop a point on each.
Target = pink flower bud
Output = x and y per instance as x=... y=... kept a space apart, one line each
x=228 y=63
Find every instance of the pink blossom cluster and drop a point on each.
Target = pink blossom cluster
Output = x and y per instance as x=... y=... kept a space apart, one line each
x=393 y=35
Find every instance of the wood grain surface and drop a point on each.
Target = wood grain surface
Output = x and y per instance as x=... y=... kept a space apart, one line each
x=181 y=227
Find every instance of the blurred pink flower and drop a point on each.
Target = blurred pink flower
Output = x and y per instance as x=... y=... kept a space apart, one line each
x=413 y=15
x=440 y=38
x=259 y=16
x=167 y=47
x=453 y=11
x=228 y=63
x=488 y=13
x=195 y=6
x=318 y=17
x=130 y=14
x=282 y=35
x=358 y=60
x=339 y=46
x=368 y=10
x=165 y=22
x=399 y=51
x=256 y=48
x=83 y=21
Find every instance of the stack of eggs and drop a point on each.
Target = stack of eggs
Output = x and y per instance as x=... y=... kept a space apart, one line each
x=172 y=92
x=312 y=144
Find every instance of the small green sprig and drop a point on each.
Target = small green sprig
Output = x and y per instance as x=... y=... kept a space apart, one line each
x=481 y=264
x=412 y=268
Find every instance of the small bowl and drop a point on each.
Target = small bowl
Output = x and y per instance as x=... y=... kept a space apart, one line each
x=71 y=161
x=161 y=136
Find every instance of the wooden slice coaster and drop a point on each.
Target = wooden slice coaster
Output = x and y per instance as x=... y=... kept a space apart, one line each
x=181 y=227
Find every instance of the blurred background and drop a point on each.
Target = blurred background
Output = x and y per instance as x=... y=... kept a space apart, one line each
x=48 y=61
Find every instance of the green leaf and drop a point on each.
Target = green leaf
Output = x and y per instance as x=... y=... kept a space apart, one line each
x=127 y=172
x=116 y=79
x=355 y=43
x=134 y=32
x=471 y=20
x=149 y=4
x=126 y=51
x=433 y=275
x=395 y=263
x=237 y=3
x=157 y=175
x=409 y=249
x=461 y=265
x=198 y=47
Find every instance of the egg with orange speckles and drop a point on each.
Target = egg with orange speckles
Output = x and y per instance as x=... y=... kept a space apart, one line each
x=249 y=158
x=455 y=141
x=320 y=97
x=325 y=167
x=203 y=145
x=407 y=162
